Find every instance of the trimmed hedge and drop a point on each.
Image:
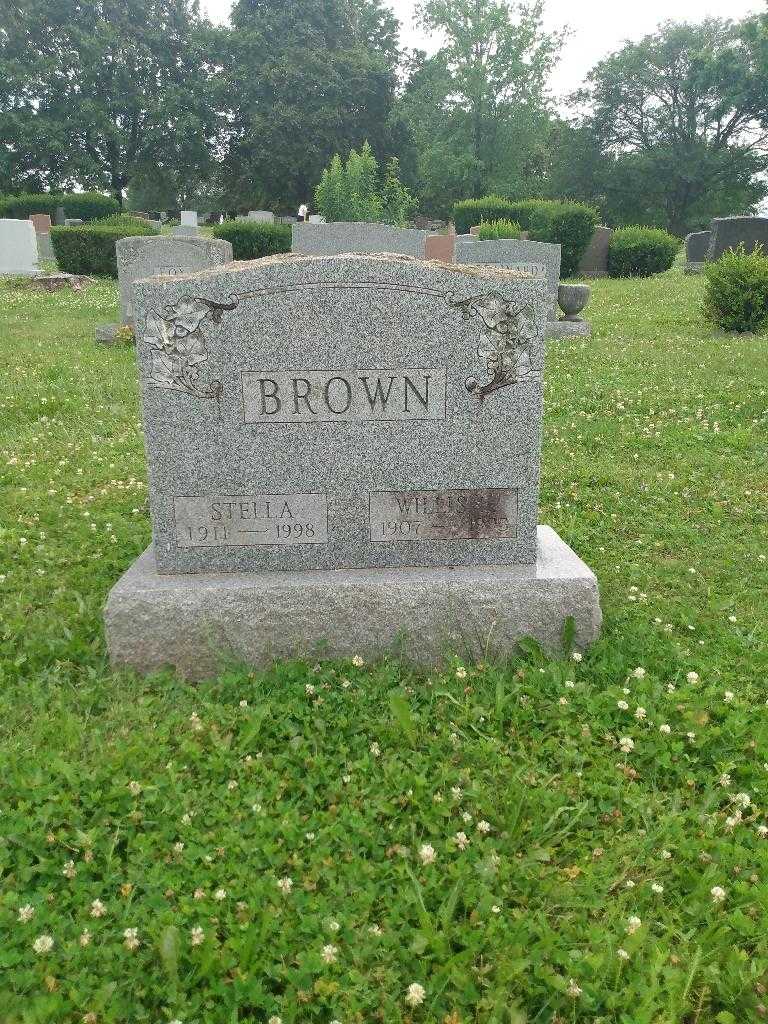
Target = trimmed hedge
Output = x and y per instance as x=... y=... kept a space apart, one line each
x=471 y=212
x=495 y=229
x=90 y=249
x=252 y=240
x=85 y=205
x=736 y=296
x=641 y=252
x=563 y=222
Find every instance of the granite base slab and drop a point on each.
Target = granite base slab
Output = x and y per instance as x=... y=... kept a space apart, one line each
x=568 y=329
x=198 y=624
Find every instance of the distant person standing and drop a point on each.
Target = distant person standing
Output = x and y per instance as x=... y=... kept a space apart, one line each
x=303 y=211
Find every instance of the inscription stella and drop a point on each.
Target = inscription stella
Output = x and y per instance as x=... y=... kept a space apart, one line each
x=326 y=396
x=248 y=520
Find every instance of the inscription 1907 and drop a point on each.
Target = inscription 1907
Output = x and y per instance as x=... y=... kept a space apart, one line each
x=488 y=513
x=251 y=519
x=326 y=396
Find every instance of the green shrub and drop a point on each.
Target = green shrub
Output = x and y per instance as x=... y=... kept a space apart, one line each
x=127 y=220
x=357 y=191
x=641 y=252
x=90 y=249
x=562 y=222
x=495 y=229
x=470 y=212
x=85 y=205
x=736 y=296
x=252 y=240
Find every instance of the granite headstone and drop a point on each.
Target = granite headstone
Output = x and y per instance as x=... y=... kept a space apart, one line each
x=189 y=218
x=594 y=262
x=730 y=232
x=347 y=236
x=261 y=216
x=18 y=247
x=146 y=255
x=696 y=250
x=514 y=252
x=315 y=428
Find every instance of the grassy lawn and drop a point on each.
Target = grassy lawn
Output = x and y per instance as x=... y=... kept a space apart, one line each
x=532 y=842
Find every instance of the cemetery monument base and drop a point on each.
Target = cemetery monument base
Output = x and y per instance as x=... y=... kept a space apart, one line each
x=199 y=624
x=343 y=453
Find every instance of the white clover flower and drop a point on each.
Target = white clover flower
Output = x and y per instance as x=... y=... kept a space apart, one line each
x=456 y=792
x=274 y=1019
x=98 y=909
x=640 y=714
x=495 y=909
x=629 y=884
x=69 y=870
x=733 y=820
x=357 y=661
x=622 y=705
x=622 y=954
x=573 y=989
x=178 y=847
x=657 y=888
x=85 y=938
x=134 y=788
x=762 y=831
x=633 y=924
x=484 y=827
x=186 y=819
x=195 y=722
x=461 y=840
x=717 y=893
x=427 y=854
x=285 y=885
x=26 y=913
x=197 y=936
x=627 y=744
x=665 y=729
x=466 y=817
x=724 y=780
x=576 y=656
x=563 y=702
x=666 y=855
x=131 y=938
x=461 y=672
x=638 y=673
x=692 y=677
x=743 y=800
x=43 y=944
x=329 y=954
x=232 y=784
x=198 y=894
x=729 y=696
x=334 y=926
x=569 y=684
x=375 y=929
x=375 y=749
x=220 y=894
x=309 y=689
x=243 y=704
x=416 y=994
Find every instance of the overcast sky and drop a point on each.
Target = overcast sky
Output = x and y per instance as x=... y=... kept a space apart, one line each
x=599 y=26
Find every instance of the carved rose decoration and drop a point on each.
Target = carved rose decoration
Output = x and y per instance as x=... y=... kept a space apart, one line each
x=505 y=343
x=179 y=346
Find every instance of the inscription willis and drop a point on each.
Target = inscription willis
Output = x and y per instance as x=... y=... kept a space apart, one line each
x=326 y=396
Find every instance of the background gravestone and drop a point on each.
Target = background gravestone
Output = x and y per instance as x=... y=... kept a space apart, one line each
x=346 y=236
x=594 y=262
x=146 y=255
x=188 y=218
x=342 y=452
x=261 y=216
x=18 y=247
x=730 y=232
x=512 y=252
x=696 y=249
x=42 y=226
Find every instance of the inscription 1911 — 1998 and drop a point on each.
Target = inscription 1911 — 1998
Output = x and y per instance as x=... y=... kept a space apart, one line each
x=246 y=520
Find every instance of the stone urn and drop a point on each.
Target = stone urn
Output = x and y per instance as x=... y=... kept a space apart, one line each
x=572 y=298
